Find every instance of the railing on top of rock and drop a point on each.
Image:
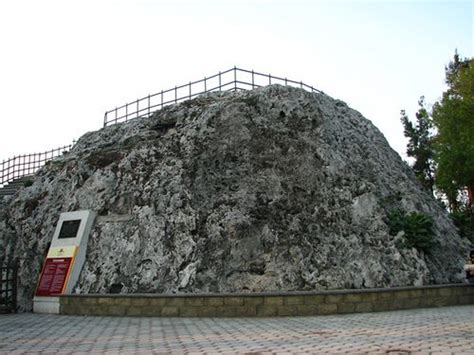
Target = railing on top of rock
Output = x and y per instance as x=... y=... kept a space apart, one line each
x=27 y=164
x=230 y=80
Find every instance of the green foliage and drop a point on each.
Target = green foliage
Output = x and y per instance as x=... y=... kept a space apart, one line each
x=417 y=228
x=454 y=143
x=442 y=143
x=27 y=183
x=419 y=147
x=465 y=222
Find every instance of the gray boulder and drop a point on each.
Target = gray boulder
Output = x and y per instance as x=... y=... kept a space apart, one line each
x=264 y=190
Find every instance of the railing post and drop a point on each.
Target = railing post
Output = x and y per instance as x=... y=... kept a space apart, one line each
x=253 y=87
x=220 y=82
x=149 y=104
x=14 y=284
x=126 y=112
x=116 y=115
x=105 y=118
x=235 y=78
x=138 y=109
x=286 y=81
x=269 y=79
x=175 y=95
x=190 y=90
x=205 y=85
x=161 y=98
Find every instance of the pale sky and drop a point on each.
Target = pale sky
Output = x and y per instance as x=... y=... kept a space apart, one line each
x=64 y=63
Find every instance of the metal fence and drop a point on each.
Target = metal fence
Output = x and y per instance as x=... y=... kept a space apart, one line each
x=230 y=80
x=8 y=287
x=28 y=164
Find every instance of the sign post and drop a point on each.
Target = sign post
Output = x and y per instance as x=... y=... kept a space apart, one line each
x=64 y=261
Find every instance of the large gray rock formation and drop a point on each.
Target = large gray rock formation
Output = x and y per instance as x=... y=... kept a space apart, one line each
x=263 y=190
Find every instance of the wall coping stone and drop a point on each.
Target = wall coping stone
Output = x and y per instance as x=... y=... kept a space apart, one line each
x=270 y=293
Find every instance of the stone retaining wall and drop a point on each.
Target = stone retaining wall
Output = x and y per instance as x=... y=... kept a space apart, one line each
x=267 y=304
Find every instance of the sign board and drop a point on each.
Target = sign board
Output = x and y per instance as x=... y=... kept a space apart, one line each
x=66 y=255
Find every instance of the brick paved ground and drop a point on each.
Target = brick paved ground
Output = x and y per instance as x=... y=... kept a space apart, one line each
x=435 y=330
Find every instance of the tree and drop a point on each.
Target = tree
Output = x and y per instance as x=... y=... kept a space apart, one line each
x=453 y=145
x=419 y=147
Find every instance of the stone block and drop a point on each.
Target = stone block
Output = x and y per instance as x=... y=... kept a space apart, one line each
x=334 y=298
x=379 y=306
x=189 y=311
x=227 y=311
x=151 y=311
x=116 y=310
x=170 y=311
x=215 y=301
x=122 y=301
x=233 y=301
x=134 y=311
x=314 y=299
x=175 y=302
x=307 y=310
x=69 y=309
x=73 y=301
x=287 y=310
x=266 y=311
x=246 y=311
x=88 y=301
x=273 y=301
x=253 y=301
x=64 y=300
x=293 y=300
x=466 y=299
x=401 y=295
x=430 y=292
x=382 y=296
x=354 y=297
x=208 y=311
x=364 y=307
x=346 y=308
x=194 y=301
x=445 y=292
x=139 y=301
x=329 y=308
x=157 y=301
x=105 y=301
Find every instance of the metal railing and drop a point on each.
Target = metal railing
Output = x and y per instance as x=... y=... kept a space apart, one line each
x=27 y=164
x=8 y=287
x=230 y=80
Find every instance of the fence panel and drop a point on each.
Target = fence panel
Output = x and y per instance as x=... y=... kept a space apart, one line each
x=8 y=287
x=229 y=80
x=27 y=164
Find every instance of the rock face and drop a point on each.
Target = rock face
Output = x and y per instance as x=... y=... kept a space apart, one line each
x=263 y=190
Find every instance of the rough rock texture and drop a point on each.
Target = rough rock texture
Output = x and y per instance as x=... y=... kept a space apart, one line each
x=263 y=190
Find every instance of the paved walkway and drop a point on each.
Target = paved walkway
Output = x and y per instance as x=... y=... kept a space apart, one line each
x=435 y=330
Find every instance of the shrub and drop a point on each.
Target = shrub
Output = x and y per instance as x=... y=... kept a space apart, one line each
x=465 y=222
x=417 y=228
